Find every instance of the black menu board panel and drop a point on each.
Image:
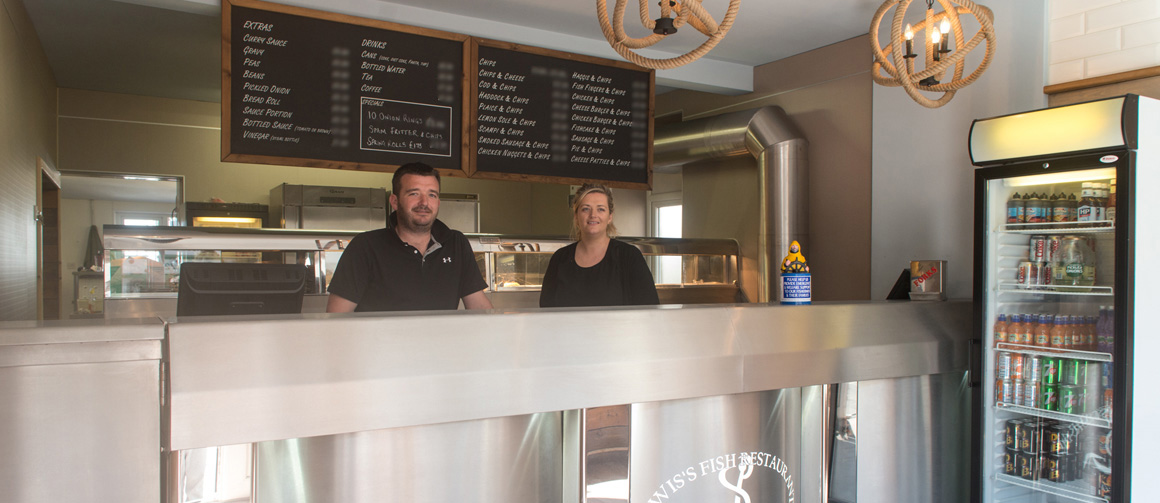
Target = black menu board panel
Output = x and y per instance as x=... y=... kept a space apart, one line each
x=543 y=115
x=310 y=88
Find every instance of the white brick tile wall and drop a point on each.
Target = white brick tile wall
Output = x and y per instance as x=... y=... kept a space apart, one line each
x=1123 y=13
x=1085 y=46
x=1144 y=33
x=1091 y=38
x=1068 y=71
x=1066 y=27
x=1064 y=8
x=1125 y=60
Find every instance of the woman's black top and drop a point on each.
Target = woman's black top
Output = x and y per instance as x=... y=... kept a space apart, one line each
x=620 y=278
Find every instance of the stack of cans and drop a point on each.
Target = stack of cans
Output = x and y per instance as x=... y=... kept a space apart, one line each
x=1041 y=449
x=1042 y=382
x=1036 y=271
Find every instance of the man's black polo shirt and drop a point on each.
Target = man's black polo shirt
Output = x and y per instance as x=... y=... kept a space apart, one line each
x=380 y=272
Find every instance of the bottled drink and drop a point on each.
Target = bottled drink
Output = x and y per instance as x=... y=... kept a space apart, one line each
x=1016 y=209
x=1059 y=210
x=1072 y=208
x=1077 y=339
x=1000 y=331
x=1111 y=212
x=1102 y=331
x=1090 y=332
x=1101 y=197
x=1076 y=265
x=1043 y=331
x=1015 y=329
x=1059 y=336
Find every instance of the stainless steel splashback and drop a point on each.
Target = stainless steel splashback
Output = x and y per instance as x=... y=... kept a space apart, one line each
x=316 y=207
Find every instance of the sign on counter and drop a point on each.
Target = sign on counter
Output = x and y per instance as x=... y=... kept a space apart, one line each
x=310 y=88
x=543 y=115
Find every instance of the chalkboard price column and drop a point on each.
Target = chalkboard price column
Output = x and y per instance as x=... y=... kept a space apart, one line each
x=544 y=115
x=310 y=88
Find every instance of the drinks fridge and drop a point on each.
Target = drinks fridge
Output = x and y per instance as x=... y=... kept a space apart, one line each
x=1067 y=363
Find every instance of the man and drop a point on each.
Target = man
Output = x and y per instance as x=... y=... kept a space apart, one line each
x=415 y=263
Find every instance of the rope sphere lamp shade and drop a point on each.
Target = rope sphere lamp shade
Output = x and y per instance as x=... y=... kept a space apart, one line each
x=894 y=64
x=687 y=12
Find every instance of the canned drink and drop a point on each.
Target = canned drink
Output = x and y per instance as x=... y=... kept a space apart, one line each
x=1106 y=373
x=1033 y=367
x=1075 y=372
x=1050 y=372
x=1104 y=487
x=1107 y=404
x=1038 y=249
x=1028 y=275
x=1003 y=391
x=1103 y=439
x=1031 y=397
x=1053 y=248
x=1011 y=433
x=1045 y=269
x=1003 y=365
x=1009 y=462
x=1053 y=467
x=1028 y=465
x=1031 y=442
x=1057 y=439
x=1016 y=366
x=1049 y=396
x=1017 y=391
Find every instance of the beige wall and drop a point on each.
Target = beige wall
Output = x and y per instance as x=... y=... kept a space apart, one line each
x=827 y=93
x=136 y=134
x=27 y=131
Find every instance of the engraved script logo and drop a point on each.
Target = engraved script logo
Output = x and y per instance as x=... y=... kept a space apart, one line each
x=743 y=472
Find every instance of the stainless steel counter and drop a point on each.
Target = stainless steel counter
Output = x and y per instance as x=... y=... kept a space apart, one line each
x=236 y=380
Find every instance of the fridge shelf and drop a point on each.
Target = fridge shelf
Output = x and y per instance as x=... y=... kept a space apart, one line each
x=1012 y=286
x=1091 y=356
x=1099 y=226
x=1076 y=490
x=1050 y=414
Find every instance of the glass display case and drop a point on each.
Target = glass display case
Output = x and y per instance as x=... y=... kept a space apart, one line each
x=142 y=264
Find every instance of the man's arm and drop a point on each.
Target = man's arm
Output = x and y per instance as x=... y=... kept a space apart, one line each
x=475 y=300
x=336 y=304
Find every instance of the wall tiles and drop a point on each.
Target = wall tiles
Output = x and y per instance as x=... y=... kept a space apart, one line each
x=1066 y=27
x=1092 y=38
x=1086 y=46
x=1124 y=61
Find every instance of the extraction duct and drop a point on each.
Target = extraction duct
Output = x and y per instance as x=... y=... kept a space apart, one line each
x=783 y=173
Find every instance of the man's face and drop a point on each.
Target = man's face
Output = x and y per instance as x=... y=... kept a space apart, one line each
x=417 y=202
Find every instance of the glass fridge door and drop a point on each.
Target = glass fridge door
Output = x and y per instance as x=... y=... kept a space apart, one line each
x=1048 y=255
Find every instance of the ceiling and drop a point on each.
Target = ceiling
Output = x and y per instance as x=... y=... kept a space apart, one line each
x=171 y=48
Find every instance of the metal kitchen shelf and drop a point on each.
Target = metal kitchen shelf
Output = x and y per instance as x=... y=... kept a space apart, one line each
x=1091 y=356
x=1050 y=414
x=1075 y=490
x=1012 y=286
x=1096 y=227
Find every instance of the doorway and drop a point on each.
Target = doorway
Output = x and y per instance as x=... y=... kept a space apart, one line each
x=48 y=283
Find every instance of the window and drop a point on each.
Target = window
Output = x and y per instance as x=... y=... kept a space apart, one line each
x=665 y=222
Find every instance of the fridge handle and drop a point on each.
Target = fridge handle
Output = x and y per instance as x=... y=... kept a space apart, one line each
x=974 y=362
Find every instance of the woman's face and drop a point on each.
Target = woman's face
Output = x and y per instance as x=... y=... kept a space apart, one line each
x=592 y=215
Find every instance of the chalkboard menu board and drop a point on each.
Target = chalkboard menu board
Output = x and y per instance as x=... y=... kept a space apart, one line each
x=311 y=88
x=545 y=115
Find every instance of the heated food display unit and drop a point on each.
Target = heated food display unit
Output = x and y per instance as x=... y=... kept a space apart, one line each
x=1065 y=247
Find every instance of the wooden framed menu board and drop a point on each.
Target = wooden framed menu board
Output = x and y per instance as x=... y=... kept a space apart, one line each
x=308 y=88
x=542 y=115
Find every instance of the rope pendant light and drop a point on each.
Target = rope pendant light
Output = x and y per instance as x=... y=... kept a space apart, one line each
x=687 y=11
x=894 y=65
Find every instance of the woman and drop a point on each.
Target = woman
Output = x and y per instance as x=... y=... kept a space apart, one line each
x=597 y=270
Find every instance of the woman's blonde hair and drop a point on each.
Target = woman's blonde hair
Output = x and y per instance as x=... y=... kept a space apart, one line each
x=584 y=190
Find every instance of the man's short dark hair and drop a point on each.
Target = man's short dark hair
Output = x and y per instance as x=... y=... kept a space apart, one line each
x=412 y=168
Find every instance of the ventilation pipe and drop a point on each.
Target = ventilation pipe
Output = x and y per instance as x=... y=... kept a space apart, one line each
x=783 y=174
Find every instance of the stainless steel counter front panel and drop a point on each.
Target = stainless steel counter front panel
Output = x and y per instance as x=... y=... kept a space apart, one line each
x=80 y=411
x=501 y=460
x=243 y=380
x=739 y=447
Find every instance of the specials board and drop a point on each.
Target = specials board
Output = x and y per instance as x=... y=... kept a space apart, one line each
x=311 y=88
x=543 y=115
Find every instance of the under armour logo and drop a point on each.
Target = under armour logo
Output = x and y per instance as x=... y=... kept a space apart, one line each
x=743 y=472
x=446 y=260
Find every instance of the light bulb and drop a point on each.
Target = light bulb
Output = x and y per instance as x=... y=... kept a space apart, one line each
x=934 y=37
x=944 y=26
x=909 y=32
